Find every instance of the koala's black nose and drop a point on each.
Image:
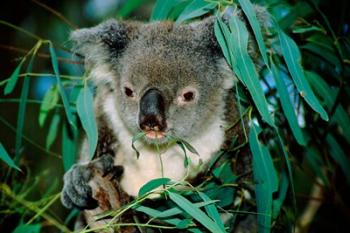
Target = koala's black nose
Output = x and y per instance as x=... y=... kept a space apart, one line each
x=152 y=111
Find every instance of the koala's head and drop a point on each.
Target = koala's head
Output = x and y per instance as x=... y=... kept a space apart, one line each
x=165 y=79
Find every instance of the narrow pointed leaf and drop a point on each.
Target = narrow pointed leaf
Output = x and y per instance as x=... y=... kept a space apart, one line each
x=49 y=102
x=162 y=9
x=52 y=134
x=11 y=83
x=4 y=156
x=86 y=114
x=278 y=202
x=292 y=58
x=265 y=177
x=195 y=9
x=169 y=212
x=22 y=108
x=195 y=212
x=249 y=11
x=153 y=184
x=69 y=144
x=212 y=211
x=245 y=69
x=338 y=154
x=64 y=98
x=287 y=105
x=27 y=228
x=328 y=94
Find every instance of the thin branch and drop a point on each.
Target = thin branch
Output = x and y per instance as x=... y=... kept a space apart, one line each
x=40 y=55
x=58 y=14
x=6 y=123
x=20 y=29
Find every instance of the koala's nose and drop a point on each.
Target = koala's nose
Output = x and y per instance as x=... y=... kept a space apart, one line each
x=152 y=111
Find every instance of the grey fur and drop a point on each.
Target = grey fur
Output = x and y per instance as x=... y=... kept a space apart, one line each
x=173 y=59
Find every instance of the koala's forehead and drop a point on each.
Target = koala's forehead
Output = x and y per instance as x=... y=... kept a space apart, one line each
x=165 y=53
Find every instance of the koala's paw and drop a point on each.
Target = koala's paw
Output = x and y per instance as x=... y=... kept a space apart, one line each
x=76 y=190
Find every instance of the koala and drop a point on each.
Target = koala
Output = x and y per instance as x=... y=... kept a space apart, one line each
x=163 y=80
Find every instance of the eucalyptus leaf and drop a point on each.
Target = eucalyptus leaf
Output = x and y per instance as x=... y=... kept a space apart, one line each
x=64 y=98
x=51 y=136
x=27 y=228
x=292 y=58
x=86 y=114
x=195 y=212
x=4 y=156
x=265 y=177
x=162 y=9
x=194 y=9
x=245 y=69
x=49 y=102
x=249 y=11
x=69 y=144
x=11 y=83
x=339 y=155
x=287 y=105
x=212 y=211
x=153 y=184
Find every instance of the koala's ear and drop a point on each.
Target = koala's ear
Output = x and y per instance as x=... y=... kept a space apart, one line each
x=105 y=40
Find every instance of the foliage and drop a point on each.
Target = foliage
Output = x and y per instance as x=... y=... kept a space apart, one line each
x=296 y=105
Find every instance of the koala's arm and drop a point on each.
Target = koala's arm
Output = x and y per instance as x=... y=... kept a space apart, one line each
x=77 y=191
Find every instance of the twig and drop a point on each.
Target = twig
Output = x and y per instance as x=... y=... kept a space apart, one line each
x=58 y=14
x=40 y=55
x=29 y=140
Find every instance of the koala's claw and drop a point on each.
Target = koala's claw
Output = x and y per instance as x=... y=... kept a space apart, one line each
x=76 y=190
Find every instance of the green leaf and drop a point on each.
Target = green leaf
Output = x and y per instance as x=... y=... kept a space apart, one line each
x=277 y=203
x=338 y=154
x=212 y=211
x=265 y=177
x=195 y=9
x=328 y=94
x=65 y=101
x=304 y=29
x=49 y=102
x=27 y=228
x=162 y=9
x=128 y=7
x=85 y=109
x=292 y=58
x=155 y=183
x=249 y=11
x=69 y=145
x=22 y=108
x=287 y=105
x=314 y=160
x=245 y=69
x=51 y=136
x=181 y=145
x=134 y=139
x=11 y=83
x=4 y=156
x=169 y=212
x=195 y=212
x=223 y=37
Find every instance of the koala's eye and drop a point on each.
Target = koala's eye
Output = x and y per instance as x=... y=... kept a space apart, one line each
x=188 y=96
x=128 y=92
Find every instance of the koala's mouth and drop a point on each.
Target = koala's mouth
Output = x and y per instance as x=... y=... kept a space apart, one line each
x=152 y=134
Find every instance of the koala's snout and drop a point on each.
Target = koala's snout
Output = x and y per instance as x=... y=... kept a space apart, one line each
x=152 y=111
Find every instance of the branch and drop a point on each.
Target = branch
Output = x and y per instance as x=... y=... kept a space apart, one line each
x=58 y=14
x=40 y=55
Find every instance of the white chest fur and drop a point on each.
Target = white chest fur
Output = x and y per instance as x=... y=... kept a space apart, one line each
x=139 y=171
